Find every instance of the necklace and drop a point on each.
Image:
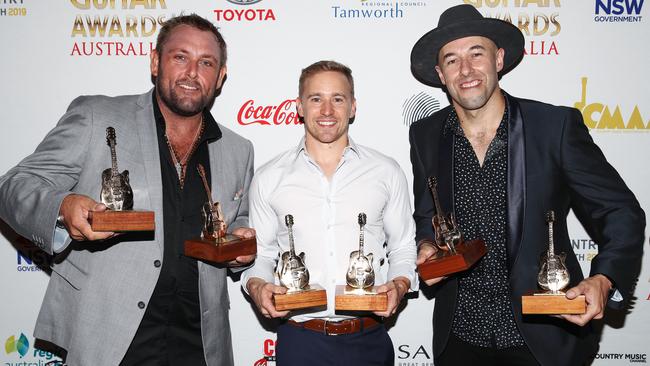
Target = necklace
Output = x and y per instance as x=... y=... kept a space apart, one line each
x=181 y=164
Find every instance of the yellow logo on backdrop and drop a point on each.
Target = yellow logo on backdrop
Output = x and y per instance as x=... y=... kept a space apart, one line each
x=600 y=117
x=540 y=24
x=119 y=26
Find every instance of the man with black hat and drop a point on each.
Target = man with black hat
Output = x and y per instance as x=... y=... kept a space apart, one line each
x=501 y=163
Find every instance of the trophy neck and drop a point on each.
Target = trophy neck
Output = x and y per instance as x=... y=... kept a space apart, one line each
x=360 y=240
x=206 y=186
x=551 y=246
x=292 y=248
x=434 y=192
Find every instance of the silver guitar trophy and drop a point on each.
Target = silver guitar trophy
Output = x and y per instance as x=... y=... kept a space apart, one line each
x=553 y=277
x=117 y=195
x=293 y=275
x=360 y=273
x=116 y=191
x=360 y=293
x=216 y=244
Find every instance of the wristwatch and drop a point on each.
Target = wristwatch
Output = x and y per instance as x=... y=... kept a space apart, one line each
x=59 y=222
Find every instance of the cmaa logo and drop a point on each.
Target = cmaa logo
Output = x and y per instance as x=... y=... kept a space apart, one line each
x=20 y=345
x=599 y=116
x=269 y=353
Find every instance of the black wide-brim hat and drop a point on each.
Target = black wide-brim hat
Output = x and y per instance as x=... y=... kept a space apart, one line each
x=458 y=22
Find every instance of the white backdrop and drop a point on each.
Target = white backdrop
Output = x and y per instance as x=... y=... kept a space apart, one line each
x=588 y=53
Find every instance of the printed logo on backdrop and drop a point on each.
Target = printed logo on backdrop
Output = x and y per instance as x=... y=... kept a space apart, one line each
x=13 y=8
x=414 y=355
x=32 y=259
x=419 y=106
x=538 y=20
x=374 y=9
x=269 y=354
x=618 y=11
x=245 y=14
x=623 y=357
x=602 y=117
x=18 y=354
x=280 y=114
x=108 y=28
x=585 y=249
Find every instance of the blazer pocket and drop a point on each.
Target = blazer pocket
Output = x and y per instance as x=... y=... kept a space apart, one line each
x=71 y=274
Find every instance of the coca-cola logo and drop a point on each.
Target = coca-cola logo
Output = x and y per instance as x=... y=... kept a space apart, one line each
x=281 y=114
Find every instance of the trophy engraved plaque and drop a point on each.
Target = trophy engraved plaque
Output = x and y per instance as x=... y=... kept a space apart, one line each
x=215 y=245
x=553 y=277
x=454 y=254
x=293 y=275
x=117 y=195
x=360 y=292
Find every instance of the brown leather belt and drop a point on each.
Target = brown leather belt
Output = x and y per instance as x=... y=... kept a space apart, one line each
x=348 y=326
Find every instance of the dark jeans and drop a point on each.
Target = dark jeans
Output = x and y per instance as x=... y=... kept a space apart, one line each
x=300 y=347
x=459 y=353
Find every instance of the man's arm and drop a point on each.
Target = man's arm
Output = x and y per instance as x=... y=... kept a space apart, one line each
x=32 y=193
x=610 y=214
x=258 y=280
x=400 y=239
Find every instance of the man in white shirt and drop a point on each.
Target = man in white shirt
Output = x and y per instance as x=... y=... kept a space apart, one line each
x=324 y=183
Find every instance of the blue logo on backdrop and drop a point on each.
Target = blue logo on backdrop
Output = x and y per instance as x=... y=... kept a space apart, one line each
x=615 y=11
x=373 y=10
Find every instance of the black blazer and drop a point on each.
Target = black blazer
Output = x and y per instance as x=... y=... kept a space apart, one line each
x=553 y=164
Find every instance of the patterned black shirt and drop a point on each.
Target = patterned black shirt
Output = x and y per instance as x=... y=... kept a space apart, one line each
x=483 y=315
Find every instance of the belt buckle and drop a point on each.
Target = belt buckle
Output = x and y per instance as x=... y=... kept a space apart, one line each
x=325 y=329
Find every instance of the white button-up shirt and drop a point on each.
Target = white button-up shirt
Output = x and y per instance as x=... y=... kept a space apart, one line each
x=326 y=214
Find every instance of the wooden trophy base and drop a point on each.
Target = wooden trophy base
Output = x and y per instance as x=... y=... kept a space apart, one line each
x=348 y=298
x=547 y=303
x=312 y=296
x=467 y=253
x=121 y=221
x=220 y=250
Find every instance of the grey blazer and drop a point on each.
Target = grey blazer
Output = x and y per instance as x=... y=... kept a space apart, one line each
x=94 y=300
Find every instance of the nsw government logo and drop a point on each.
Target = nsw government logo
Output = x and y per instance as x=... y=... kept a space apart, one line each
x=618 y=11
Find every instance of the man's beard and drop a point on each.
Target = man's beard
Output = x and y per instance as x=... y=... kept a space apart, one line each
x=176 y=104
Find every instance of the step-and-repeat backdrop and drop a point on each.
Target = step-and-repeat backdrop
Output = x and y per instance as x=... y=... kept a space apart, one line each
x=591 y=54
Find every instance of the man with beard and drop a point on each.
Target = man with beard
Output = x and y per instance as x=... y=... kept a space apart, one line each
x=501 y=163
x=137 y=300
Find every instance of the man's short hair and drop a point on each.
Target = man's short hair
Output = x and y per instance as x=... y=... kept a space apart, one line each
x=194 y=21
x=322 y=66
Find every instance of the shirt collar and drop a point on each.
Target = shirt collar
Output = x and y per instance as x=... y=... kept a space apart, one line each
x=352 y=146
x=452 y=124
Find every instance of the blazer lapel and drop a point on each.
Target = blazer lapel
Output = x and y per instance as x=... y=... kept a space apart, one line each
x=516 y=179
x=145 y=122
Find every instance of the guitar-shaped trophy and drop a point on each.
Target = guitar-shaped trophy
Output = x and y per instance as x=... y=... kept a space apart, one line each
x=117 y=195
x=454 y=253
x=553 y=277
x=360 y=293
x=293 y=275
x=215 y=244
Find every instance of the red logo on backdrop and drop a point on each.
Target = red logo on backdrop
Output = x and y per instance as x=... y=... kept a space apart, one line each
x=249 y=15
x=281 y=114
x=269 y=353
